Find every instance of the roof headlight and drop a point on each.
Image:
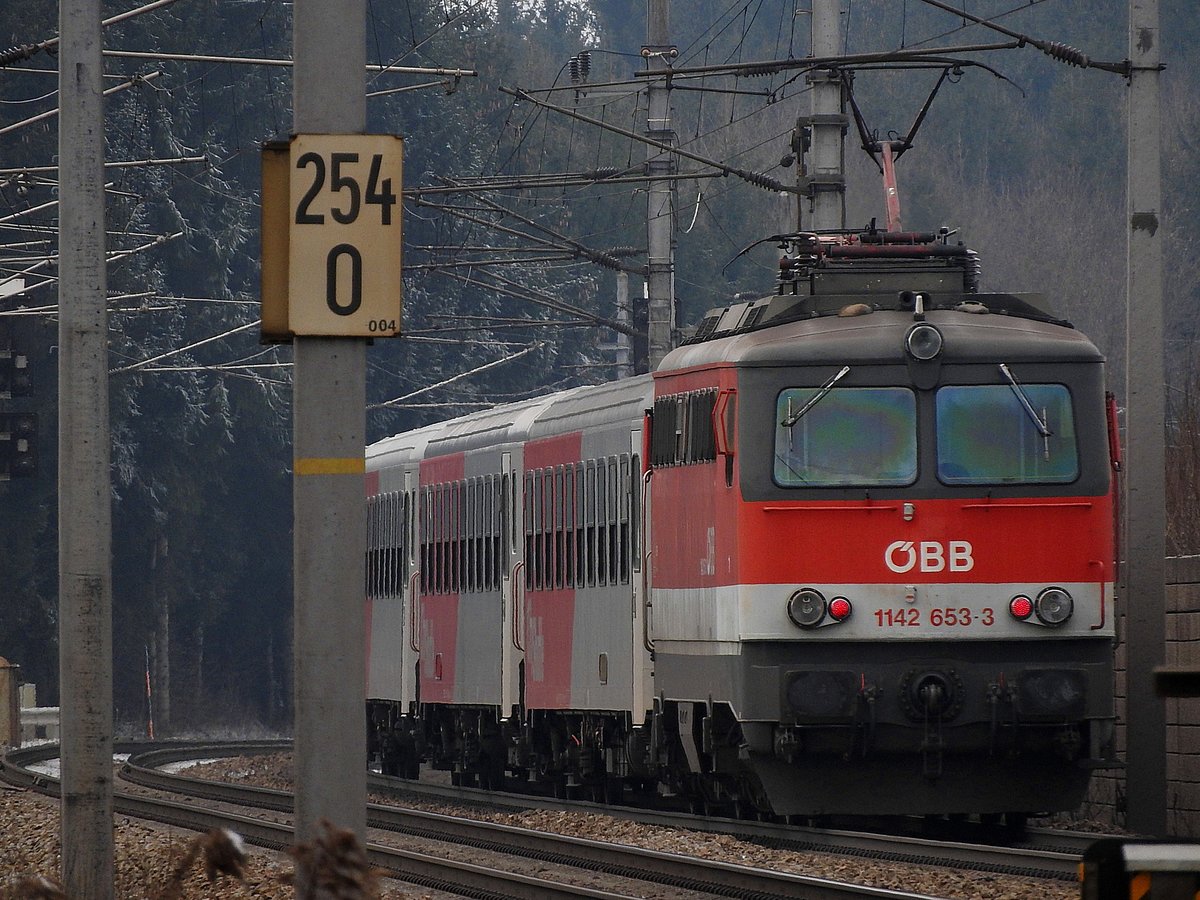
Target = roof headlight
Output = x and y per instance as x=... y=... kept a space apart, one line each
x=1053 y=606
x=923 y=342
x=806 y=608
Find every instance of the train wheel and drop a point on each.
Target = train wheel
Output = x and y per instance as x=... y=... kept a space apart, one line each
x=491 y=773
x=1015 y=825
x=614 y=791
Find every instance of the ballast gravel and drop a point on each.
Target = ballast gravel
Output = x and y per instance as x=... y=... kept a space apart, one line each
x=148 y=856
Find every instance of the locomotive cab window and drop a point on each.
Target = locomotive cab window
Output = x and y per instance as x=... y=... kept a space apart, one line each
x=1006 y=434
x=860 y=436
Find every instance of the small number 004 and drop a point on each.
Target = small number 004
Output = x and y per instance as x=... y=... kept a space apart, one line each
x=381 y=325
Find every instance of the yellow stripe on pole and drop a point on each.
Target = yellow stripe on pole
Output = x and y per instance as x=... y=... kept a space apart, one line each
x=355 y=465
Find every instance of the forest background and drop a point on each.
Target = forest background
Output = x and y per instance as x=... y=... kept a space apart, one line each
x=503 y=294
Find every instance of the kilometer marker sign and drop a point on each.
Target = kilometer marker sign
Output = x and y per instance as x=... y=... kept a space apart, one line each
x=344 y=235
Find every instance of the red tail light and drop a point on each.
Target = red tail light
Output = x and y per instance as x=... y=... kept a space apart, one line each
x=840 y=609
x=1021 y=607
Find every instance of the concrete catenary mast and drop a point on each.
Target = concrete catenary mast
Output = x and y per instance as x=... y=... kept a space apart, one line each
x=84 y=451
x=329 y=425
x=825 y=169
x=1145 y=453
x=660 y=212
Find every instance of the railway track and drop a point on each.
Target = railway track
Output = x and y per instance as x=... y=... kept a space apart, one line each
x=609 y=862
x=1042 y=853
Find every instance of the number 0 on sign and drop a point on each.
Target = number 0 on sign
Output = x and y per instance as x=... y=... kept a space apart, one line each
x=344 y=273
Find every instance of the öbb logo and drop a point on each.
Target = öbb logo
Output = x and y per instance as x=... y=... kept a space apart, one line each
x=929 y=556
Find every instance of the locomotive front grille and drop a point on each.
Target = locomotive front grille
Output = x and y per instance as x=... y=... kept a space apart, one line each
x=822 y=696
x=1051 y=694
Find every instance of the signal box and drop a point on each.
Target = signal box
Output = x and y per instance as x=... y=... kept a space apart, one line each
x=14 y=375
x=18 y=445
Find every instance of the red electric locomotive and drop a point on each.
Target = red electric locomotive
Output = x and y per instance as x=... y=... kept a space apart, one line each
x=849 y=550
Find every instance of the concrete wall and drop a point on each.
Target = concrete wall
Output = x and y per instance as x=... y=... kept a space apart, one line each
x=1107 y=799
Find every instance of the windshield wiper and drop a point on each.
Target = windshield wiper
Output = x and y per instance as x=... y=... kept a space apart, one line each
x=789 y=421
x=1042 y=428
x=1039 y=421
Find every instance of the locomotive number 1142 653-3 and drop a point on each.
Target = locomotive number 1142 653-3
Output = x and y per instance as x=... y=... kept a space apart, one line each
x=938 y=617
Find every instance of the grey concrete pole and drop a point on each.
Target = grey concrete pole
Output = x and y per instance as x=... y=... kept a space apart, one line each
x=329 y=433
x=84 y=489
x=1145 y=455
x=660 y=212
x=623 y=343
x=827 y=155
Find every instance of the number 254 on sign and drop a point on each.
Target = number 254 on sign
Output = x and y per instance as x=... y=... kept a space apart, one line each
x=332 y=211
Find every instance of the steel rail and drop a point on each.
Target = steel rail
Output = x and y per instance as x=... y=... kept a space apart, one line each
x=1048 y=854
x=673 y=870
x=422 y=869
x=1054 y=856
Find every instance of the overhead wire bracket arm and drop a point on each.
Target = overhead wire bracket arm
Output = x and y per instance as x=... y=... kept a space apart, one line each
x=599 y=257
x=755 y=178
x=770 y=67
x=1054 y=49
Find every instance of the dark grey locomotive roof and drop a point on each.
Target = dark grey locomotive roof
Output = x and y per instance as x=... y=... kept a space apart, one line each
x=877 y=337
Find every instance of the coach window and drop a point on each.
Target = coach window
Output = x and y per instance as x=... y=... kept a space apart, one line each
x=554 y=544
x=635 y=513
x=624 y=495
x=410 y=531
x=435 y=539
x=423 y=539
x=387 y=546
x=473 y=533
x=439 y=539
x=486 y=496
x=458 y=534
x=480 y=520
x=590 y=521
x=466 y=530
x=548 y=528
x=429 y=575
x=508 y=509
x=527 y=528
x=372 y=515
x=430 y=539
x=464 y=536
x=845 y=436
x=448 y=550
x=614 y=547
x=580 y=527
x=602 y=548
x=681 y=429
x=568 y=526
x=539 y=552
x=549 y=503
x=1004 y=434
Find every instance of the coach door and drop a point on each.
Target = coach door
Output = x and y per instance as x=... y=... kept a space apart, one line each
x=636 y=500
x=512 y=580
